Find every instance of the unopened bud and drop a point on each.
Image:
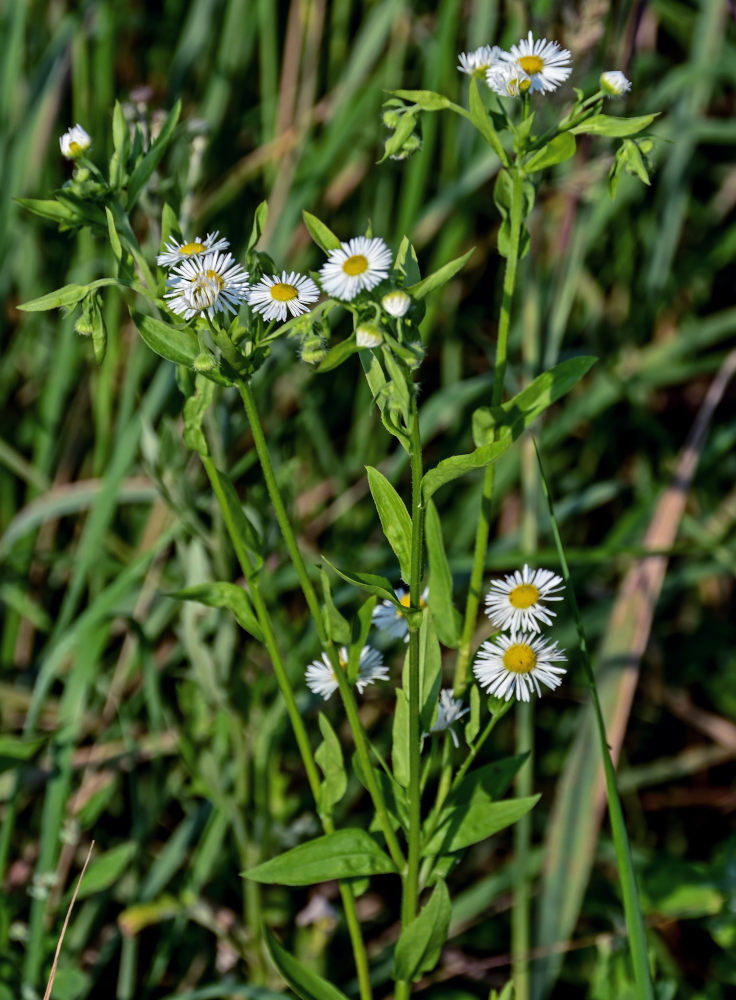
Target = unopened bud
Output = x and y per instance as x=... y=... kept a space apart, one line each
x=203 y=362
x=396 y=303
x=368 y=335
x=391 y=119
x=614 y=83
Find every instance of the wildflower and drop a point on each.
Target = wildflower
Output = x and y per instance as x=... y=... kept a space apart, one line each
x=513 y=665
x=211 y=284
x=359 y=264
x=321 y=677
x=388 y=618
x=508 y=80
x=274 y=297
x=517 y=601
x=176 y=253
x=74 y=142
x=545 y=63
x=614 y=83
x=449 y=711
x=368 y=335
x=396 y=303
x=476 y=63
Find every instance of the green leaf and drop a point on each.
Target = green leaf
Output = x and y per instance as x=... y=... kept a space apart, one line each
x=99 y=330
x=259 y=224
x=398 y=137
x=502 y=195
x=319 y=232
x=370 y=582
x=66 y=297
x=14 y=749
x=456 y=466
x=169 y=225
x=106 y=869
x=117 y=249
x=177 y=344
x=121 y=147
x=445 y=617
x=430 y=672
x=245 y=538
x=195 y=408
x=420 y=943
x=487 y=783
x=400 y=739
x=305 y=983
x=343 y=854
x=557 y=150
x=359 y=634
x=479 y=118
x=223 y=595
x=329 y=757
x=148 y=163
x=427 y=100
x=338 y=628
x=394 y=517
x=439 y=277
x=406 y=263
x=616 y=127
x=461 y=827
x=472 y=726
x=50 y=208
x=337 y=354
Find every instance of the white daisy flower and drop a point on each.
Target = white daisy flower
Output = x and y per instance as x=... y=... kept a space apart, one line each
x=517 y=601
x=359 y=264
x=513 y=665
x=449 y=710
x=321 y=679
x=276 y=296
x=388 y=618
x=544 y=62
x=210 y=284
x=396 y=303
x=176 y=253
x=480 y=60
x=614 y=83
x=74 y=142
x=508 y=80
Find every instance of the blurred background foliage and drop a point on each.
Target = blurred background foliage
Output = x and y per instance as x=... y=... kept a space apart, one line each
x=155 y=727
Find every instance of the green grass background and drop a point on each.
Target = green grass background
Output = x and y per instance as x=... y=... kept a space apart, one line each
x=155 y=728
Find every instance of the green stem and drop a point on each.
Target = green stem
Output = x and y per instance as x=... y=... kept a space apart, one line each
x=484 y=519
x=297 y=723
x=627 y=875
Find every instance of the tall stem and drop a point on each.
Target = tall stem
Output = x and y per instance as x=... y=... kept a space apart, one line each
x=484 y=519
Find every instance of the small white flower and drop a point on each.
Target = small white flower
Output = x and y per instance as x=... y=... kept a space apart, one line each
x=175 y=253
x=210 y=284
x=545 y=63
x=74 y=142
x=480 y=60
x=614 y=83
x=517 y=601
x=449 y=711
x=513 y=665
x=359 y=264
x=368 y=335
x=388 y=618
x=321 y=679
x=396 y=303
x=508 y=80
x=276 y=296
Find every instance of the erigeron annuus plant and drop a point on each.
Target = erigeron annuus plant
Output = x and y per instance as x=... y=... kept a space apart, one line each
x=216 y=318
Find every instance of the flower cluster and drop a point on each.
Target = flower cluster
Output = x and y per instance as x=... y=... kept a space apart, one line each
x=512 y=665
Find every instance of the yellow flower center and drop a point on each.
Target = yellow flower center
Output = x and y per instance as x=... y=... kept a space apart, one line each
x=355 y=265
x=189 y=248
x=75 y=149
x=283 y=292
x=524 y=85
x=531 y=64
x=524 y=596
x=520 y=658
x=405 y=601
x=215 y=279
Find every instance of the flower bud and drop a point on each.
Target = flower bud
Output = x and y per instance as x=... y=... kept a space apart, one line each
x=391 y=119
x=74 y=142
x=204 y=362
x=313 y=349
x=368 y=335
x=396 y=303
x=613 y=83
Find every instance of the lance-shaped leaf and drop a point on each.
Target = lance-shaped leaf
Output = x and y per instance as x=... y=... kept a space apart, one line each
x=343 y=854
x=320 y=233
x=338 y=627
x=439 y=277
x=337 y=354
x=223 y=595
x=372 y=583
x=329 y=757
x=456 y=466
x=259 y=224
x=420 y=944
x=305 y=983
x=177 y=344
x=445 y=617
x=462 y=826
x=245 y=538
x=66 y=297
x=148 y=163
x=479 y=118
x=614 y=127
x=557 y=150
x=427 y=100
x=394 y=517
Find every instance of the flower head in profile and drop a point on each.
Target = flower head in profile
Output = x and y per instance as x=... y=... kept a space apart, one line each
x=175 y=253
x=211 y=284
x=388 y=618
x=321 y=678
x=614 y=83
x=396 y=303
x=449 y=710
x=512 y=666
x=479 y=61
x=355 y=266
x=276 y=296
x=545 y=63
x=74 y=142
x=508 y=80
x=519 y=600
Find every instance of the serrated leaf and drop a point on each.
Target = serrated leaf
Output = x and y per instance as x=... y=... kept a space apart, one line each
x=461 y=827
x=223 y=595
x=614 y=127
x=303 y=981
x=345 y=853
x=330 y=760
x=420 y=943
x=444 y=615
x=148 y=163
x=320 y=233
x=394 y=518
x=557 y=150
x=439 y=277
x=372 y=583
